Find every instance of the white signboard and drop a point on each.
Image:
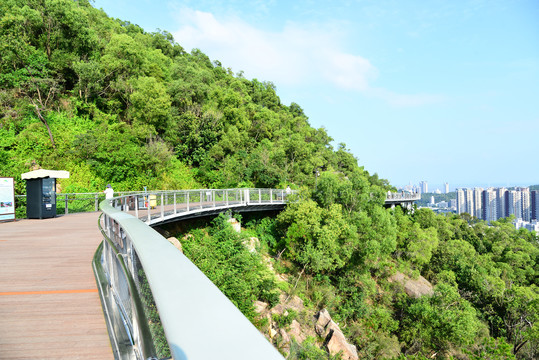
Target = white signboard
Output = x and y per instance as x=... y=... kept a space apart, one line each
x=7 y=199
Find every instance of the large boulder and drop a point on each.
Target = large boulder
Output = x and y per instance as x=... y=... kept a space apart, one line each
x=176 y=243
x=296 y=333
x=322 y=320
x=288 y=303
x=260 y=306
x=414 y=288
x=335 y=341
x=236 y=225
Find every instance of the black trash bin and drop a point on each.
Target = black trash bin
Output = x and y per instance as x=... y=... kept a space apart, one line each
x=41 y=193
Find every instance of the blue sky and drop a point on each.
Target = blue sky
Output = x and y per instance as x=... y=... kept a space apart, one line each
x=442 y=91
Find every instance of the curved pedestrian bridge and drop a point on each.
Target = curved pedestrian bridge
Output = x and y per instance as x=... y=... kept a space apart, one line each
x=50 y=305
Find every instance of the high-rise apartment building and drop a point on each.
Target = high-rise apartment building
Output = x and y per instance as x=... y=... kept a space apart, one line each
x=514 y=203
x=477 y=204
x=500 y=203
x=490 y=206
x=468 y=200
x=446 y=188
x=424 y=187
x=461 y=203
x=534 y=204
x=525 y=201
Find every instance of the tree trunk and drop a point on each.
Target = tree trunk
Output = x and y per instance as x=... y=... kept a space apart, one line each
x=38 y=112
x=519 y=346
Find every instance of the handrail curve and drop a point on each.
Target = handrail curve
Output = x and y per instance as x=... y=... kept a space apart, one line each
x=198 y=320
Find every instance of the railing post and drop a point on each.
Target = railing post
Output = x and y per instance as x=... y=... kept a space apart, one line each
x=213 y=197
x=187 y=197
x=271 y=196
x=226 y=196
x=66 y=210
x=200 y=199
x=148 y=208
x=174 y=202
x=162 y=206
x=96 y=202
x=136 y=206
x=260 y=196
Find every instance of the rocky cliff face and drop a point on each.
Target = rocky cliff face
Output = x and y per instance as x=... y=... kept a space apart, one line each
x=320 y=326
x=334 y=339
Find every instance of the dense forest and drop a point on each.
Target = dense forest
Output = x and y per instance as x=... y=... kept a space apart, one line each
x=111 y=103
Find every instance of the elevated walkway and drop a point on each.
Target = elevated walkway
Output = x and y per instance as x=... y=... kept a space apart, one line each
x=49 y=304
x=403 y=199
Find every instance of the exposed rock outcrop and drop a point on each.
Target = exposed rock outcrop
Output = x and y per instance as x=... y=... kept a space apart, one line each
x=236 y=225
x=252 y=244
x=335 y=341
x=260 y=306
x=413 y=288
x=176 y=243
x=296 y=332
x=288 y=303
x=323 y=319
x=322 y=325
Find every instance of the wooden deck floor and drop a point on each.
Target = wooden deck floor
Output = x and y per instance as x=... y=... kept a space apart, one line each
x=49 y=305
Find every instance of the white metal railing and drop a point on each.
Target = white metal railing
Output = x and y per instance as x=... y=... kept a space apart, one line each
x=158 y=206
x=173 y=202
x=68 y=203
x=403 y=196
x=139 y=272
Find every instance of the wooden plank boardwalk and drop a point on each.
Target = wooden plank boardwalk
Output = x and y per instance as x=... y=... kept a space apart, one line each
x=49 y=305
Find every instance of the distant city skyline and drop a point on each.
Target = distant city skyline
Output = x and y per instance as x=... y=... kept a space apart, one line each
x=495 y=203
x=452 y=187
x=413 y=88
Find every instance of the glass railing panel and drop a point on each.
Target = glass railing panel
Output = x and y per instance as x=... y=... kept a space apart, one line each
x=132 y=315
x=141 y=273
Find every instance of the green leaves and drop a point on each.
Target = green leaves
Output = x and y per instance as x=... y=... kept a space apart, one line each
x=241 y=275
x=436 y=323
x=150 y=103
x=321 y=240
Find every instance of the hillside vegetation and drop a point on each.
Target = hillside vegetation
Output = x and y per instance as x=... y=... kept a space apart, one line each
x=111 y=103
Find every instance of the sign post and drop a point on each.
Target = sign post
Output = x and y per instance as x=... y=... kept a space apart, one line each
x=7 y=199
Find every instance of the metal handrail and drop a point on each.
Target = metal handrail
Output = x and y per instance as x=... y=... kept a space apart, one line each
x=75 y=202
x=403 y=196
x=199 y=322
x=69 y=199
x=165 y=205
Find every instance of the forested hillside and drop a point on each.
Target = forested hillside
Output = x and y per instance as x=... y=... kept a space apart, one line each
x=111 y=103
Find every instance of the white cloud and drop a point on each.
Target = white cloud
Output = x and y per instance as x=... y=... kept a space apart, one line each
x=292 y=56
x=405 y=100
x=298 y=55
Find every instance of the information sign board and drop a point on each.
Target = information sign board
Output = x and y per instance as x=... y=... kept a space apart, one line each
x=7 y=199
